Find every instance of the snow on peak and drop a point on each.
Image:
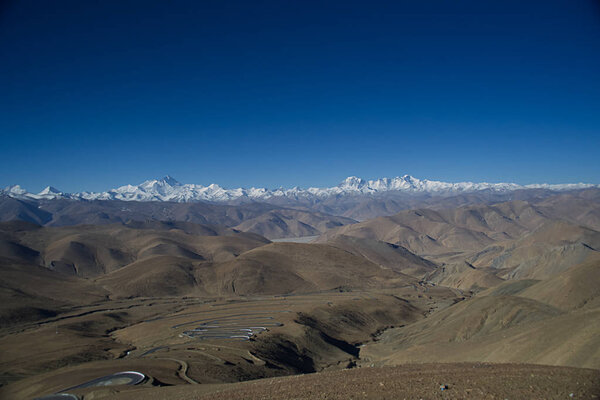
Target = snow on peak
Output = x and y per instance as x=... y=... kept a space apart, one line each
x=352 y=182
x=169 y=180
x=49 y=190
x=169 y=189
x=50 y=193
x=15 y=190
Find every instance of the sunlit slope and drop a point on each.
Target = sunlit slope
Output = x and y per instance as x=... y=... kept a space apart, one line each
x=548 y=250
x=283 y=223
x=156 y=276
x=93 y=250
x=577 y=287
x=295 y=268
x=436 y=232
x=385 y=254
x=496 y=329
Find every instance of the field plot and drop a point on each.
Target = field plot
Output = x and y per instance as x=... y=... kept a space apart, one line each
x=197 y=341
x=234 y=327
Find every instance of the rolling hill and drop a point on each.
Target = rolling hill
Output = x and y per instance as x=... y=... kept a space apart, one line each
x=264 y=219
x=283 y=268
x=495 y=329
x=511 y=282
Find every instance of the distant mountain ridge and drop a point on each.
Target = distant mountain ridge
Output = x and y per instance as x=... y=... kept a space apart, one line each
x=169 y=189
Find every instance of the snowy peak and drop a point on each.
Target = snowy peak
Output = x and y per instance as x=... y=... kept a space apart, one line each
x=17 y=192
x=352 y=183
x=165 y=181
x=49 y=190
x=14 y=190
x=50 y=193
x=169 y=189
x=169 y=180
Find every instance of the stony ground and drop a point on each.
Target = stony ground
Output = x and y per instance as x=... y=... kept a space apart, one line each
x=424 y=381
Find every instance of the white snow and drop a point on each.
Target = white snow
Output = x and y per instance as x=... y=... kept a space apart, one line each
x=169 y=189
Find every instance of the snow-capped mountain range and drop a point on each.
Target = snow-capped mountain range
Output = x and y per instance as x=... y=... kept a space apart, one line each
x=169 y=189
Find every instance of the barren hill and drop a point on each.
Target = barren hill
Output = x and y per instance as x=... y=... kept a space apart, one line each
x=296 y=268
x=265 y=219
x=291 y=223
x=385 y=254
x=94 y=250
x=480 y=246
x=435 y=232
x=495 y=329
x=548 y=250
x=508 y=282
x=174 y=258
x=577 y=287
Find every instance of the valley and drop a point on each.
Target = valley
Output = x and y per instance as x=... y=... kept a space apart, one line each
x=198 y=308
x=291 y=200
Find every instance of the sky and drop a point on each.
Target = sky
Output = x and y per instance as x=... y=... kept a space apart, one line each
x=98 y=94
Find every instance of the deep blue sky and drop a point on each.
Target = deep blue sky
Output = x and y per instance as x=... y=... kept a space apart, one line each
x=96 y=94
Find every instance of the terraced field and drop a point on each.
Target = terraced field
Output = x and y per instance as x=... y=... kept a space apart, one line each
x=195 y=341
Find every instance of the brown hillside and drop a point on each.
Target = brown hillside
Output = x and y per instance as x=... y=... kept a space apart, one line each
x=91 y=251
x=31 y=292
x=282 y=223
x=464 y=276
x=151 y=277
x=495 y=329
x=577 y=287
x=294 y=268
x=548 y=250
x=386 y=254
x=430 y=232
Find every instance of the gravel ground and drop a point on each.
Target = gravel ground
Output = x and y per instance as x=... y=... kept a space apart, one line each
x=461 y=381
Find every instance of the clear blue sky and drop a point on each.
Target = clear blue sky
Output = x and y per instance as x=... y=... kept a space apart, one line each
x=96 y=94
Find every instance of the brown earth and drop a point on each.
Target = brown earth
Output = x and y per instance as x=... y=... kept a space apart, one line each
x=468 y=380
x=480 y=246
x=515 y=282
x=314 y=332
x=285 y=223
x=264 y=219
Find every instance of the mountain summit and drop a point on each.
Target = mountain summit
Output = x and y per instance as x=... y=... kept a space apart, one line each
x=169 y=189
x=169 y=180
x=50 y=190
